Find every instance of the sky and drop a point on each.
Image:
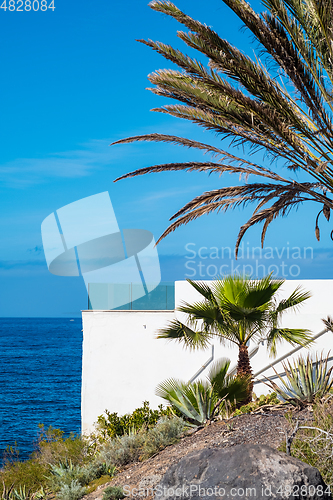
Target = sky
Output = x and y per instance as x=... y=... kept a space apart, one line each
x=74 y=79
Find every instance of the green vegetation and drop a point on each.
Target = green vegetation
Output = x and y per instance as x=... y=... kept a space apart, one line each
x=113 y=493
x=200 y=401
x=92 y=466
x=111 y=424
x=237 y=310
x=195 y=401
x=277 y=102
x=313 y=441
x=70 y=467
x=269 y=399
x=306 y=380
x=53 y=447
x=139 y=445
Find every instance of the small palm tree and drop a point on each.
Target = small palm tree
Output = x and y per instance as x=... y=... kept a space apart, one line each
x=236 y=310
x=200 y=401
x=281 y=107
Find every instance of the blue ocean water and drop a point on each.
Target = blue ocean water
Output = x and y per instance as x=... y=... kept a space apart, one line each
x=40 y=379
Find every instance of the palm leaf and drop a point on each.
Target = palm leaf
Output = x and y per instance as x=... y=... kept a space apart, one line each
x=182 y=333
x=240 y=98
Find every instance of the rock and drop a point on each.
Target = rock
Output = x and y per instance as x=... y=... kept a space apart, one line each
x=149 y=481
x=243 y=471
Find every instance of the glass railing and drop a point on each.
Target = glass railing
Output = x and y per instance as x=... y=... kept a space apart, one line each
x=131 y=296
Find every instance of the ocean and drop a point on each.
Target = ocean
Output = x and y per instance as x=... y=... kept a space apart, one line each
x=40 y=379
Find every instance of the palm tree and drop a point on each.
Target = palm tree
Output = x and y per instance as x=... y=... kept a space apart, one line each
x=236 y=310
x=283 y=108
x=199 y=401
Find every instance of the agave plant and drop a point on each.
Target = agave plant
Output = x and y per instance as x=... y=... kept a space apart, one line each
x=64 y=468
x=199 y=401
x=306 y=379
x=21 y=494
x=64 y=474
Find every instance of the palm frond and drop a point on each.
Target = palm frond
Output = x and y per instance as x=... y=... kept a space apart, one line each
x=294 y=336
x=230 y=388
x=294 y=300
x=182 y=333
x=328 y=323
x=195 y=401
x=240 y=98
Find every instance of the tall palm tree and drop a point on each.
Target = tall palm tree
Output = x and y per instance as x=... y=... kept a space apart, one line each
x=283 y=108
x=236 y=310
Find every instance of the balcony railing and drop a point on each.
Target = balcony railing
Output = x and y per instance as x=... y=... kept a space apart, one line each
x=108 y=296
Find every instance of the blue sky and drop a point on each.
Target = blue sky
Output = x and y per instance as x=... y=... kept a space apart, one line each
x=74 y=80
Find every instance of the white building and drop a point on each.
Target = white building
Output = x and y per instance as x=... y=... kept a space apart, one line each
x=123 y=361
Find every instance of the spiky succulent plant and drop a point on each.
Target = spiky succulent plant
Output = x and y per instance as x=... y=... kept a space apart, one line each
x=306 y=379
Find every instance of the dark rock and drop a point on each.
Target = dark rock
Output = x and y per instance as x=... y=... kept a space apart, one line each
x=241 y=472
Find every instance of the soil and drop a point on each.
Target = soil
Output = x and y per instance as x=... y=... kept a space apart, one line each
x=268 y=426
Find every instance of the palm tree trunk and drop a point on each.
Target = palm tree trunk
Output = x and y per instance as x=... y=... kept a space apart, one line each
x=244 y=369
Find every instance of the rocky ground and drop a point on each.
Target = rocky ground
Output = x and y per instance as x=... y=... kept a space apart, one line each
x=269 y=426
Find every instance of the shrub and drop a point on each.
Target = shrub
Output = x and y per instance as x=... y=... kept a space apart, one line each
x=314 y=445
x=269 y=399
x=307 y=379
x=68 y=476
x=111 y=425
x=141 y=444
x=113 y=493
x=53 y=447
x=72 y=491
x=30 y=474
x=166 y=432
x=64 y=474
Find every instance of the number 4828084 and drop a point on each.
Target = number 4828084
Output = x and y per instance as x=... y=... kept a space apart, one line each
x=26 y=5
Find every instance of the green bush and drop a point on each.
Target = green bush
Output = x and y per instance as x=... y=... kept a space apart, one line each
x=139 y=445
x=72 y=491
x=31 y=474
x=64 y=474
x=53 y=447
x=111 y=425
x=315 y=447
x=166 y=432
x=113 y=493
x=64 y=466
x=269 y=399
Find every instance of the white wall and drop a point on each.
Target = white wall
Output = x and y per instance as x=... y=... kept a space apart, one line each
x=123 y=361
